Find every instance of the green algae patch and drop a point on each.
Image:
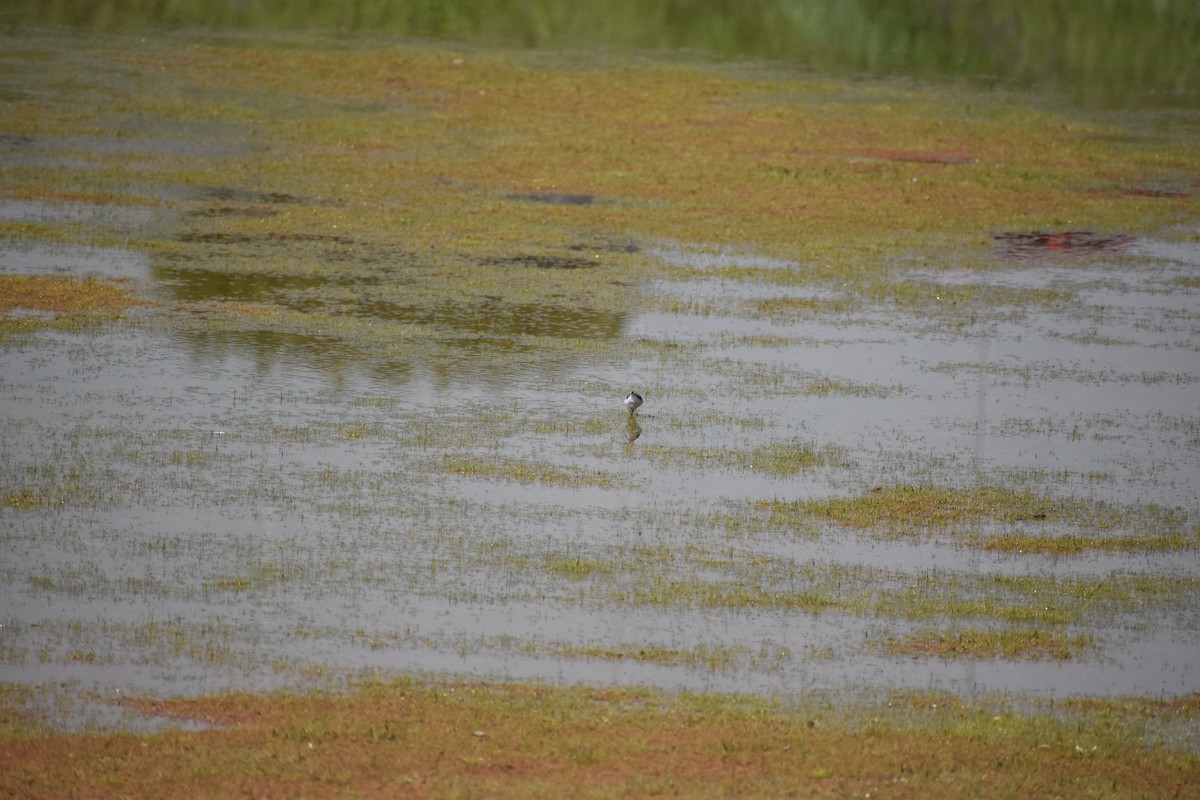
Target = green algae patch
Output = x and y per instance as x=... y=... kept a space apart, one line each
x=518 y=740
x=260 y=576
x=1028 y=644
x=997 y=519
x=529 y=471
x=775 y=458
x=713 y=658
x=928 y=505
x=907 y=508
x=1069 y=544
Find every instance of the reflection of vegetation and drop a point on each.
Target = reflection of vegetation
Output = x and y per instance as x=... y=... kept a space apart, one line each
x=359 y=296
x=1109 y=52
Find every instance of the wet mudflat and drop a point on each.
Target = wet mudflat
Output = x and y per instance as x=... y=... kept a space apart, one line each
x=912 y=421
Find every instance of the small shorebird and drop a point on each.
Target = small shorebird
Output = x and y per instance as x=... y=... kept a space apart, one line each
x=633 y=401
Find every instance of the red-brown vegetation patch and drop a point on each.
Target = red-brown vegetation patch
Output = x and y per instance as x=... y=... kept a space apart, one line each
x=414 y=740
x=1024 y=246
x=62 y=295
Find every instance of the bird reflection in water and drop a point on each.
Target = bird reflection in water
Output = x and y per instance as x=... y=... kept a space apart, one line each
x=632 y=402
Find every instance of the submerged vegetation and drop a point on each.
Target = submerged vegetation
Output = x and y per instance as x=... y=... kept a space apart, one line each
x=1073 y=544
x=904 y=506
x=776 y=458
x=527 y=471
x=1023 y=643
x=994 y=519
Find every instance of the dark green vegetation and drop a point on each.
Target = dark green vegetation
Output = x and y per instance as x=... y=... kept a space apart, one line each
x=1028 y=643
x=1128 y=53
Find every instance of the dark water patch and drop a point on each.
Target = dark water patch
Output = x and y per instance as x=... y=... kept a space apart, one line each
x=204 y=193
x=542 y=261
x=93 y=152
x=606 y=247
x=250 y=203
x=1032 y=245
x=235 y=211
x=276 y=245
x=555 y=198
x=250 y=238
x=232 y=194
x=222 y=238
x=1162 y=186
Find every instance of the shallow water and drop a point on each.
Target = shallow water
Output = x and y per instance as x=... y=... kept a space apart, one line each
x=214 y=520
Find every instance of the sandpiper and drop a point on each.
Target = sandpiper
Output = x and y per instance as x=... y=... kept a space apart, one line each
x=633 y=401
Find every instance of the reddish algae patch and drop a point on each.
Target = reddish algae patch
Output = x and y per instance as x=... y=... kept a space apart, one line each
x=62 y=295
